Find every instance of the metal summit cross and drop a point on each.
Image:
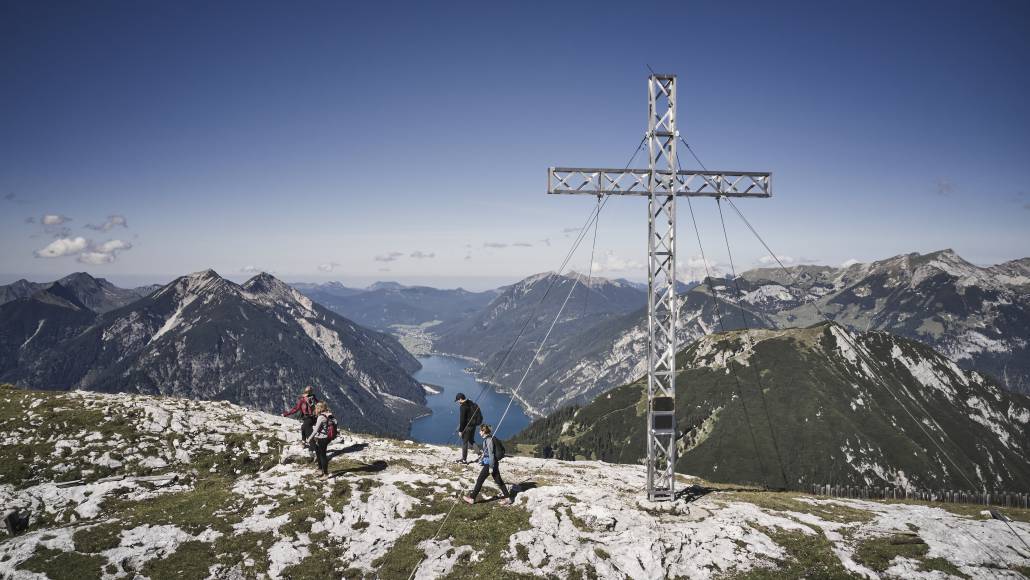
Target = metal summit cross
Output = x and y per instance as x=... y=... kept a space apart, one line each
x=661 y=182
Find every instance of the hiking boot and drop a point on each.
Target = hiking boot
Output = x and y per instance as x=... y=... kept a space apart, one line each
x=468 y=499
x=461 y=461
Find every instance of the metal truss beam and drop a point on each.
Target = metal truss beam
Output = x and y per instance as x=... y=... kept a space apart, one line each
x=596 y=181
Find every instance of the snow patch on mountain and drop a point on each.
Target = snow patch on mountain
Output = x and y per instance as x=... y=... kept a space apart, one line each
x=924 y=371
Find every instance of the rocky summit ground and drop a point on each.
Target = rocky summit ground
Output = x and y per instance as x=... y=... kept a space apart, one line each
x=121 y=486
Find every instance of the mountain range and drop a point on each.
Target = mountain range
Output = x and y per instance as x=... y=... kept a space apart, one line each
x=386 y=305
x=525 y=310
x=97 y=294
x=977 y=316
x=205 y=337
x=817 y=405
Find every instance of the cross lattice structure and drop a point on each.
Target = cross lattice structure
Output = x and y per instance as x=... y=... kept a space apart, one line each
x=662 y=182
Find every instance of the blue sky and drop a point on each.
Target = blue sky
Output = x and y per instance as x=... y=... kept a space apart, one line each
x=410 y=141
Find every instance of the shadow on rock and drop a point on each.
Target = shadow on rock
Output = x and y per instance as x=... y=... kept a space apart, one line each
x=374 y=467
x=693 y=493
x=352 y=448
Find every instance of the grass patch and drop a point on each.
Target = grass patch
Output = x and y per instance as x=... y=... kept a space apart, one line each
x=98 y=538
x=237 y=548
x=240 y=457
x=302 y=517
x=430 y=501
x=787 y=502
x=340 y=495
x=878 y=553
x=22 y=464
x=808 y=556
x=191 y=560
x=34 y=459
x=325 y=561
x=58 y=565
x=486 y=528
x=577 y=521
x=209 y=504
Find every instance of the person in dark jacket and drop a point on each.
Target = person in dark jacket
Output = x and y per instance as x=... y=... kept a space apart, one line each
x=491 y=466
x=469 y=417
x=306 y=406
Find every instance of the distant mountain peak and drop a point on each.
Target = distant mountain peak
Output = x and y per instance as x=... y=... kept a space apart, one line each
x=536 y=278
x=60 y=295
x=386 y=286
x=203 y=274
x=267 y=289
x=79 y=276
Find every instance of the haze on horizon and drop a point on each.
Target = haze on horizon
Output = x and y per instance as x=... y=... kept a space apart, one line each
x=409 y=142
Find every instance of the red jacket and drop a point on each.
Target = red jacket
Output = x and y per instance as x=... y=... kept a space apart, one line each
x=306 y=406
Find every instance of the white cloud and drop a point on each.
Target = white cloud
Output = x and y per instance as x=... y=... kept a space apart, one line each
x=523 y=245
x=849 y=262
x=95 y=258
x=111 y=222
x=84 y=250
x=104 y=253
x=769 y=261
x=420 y=255
x=112 y=246
x=785 y=260
x=388 y=257
x=328 y=267
x=54 y=219
x=251 y=270
x=497 y=245
x=613 y=263
x=63 y=247
x=569 y=230
x=697 y=268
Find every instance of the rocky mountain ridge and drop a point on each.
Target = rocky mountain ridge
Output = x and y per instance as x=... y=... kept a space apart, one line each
x=134 y=486
x=205 y=337
x=977 y=316
x=97 y=294
x=819 y=405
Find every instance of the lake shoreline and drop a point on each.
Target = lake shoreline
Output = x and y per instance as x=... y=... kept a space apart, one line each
x=452 y=375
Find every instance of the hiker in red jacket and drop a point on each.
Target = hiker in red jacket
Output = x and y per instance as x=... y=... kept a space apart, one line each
x=306 y=406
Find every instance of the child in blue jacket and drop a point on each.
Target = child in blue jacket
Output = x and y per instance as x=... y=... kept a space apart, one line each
x=490 y=467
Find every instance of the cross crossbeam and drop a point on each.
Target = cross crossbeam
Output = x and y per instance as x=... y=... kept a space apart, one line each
x=662 y=182
x=590 y=181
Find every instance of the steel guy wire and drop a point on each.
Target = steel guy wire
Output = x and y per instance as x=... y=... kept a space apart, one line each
x=592 y=219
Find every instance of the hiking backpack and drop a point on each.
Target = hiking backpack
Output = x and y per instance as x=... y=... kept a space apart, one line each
x=307 y=406
x=499 y=451
x=477 y=415
x=332 y=428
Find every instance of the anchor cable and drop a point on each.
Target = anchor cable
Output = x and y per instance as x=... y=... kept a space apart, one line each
x=594 y=215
